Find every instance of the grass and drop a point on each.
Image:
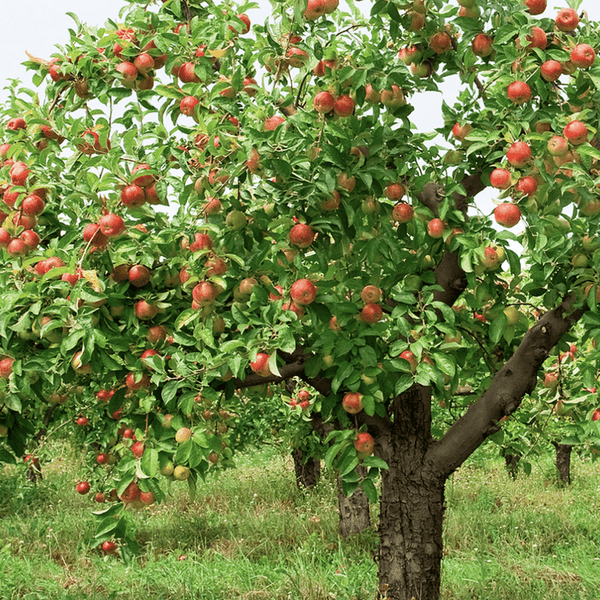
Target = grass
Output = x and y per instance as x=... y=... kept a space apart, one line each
x=252 y=534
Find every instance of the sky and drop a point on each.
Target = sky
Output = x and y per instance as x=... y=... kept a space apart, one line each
x=37 y=25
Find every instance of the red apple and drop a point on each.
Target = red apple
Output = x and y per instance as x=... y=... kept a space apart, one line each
x=393 y=98
x=139 y=275
x=583 y=56
x=402 y=212
x=567 y=19
x=364 y=444
x=296 y=57
x=536 y=7
x=315 y=9
x=241 y=29
x=156 y=333
x=500 y=179
x=32 y=205
x=352 y=402
x=482 y=45
x=260 y=365
x=18 y=173
x=507 y=214
x=6 y=365
x=440 y=42
x=215 y=266
x=343 y=106
x=17 y=247
x=518 y=92
x=371 y=313
x=551 y=70
x=370 y=294
x=93 y=235
x=128 y=71
x=537 y=39
x=527 y=186
x=187 y=73
x=558 y=146
x=273 y=123
x=109 y=547
x=111 y=225
x=138 y=382
x=143 y=63
x=408 y=356
x=435 y=228
x=138 y=449
x=30 y=238
x=133 y=196
x=303 y=292
x=83 y=487
x=131 y=495
x=78 y=366
x=204 y=293
x=519 y=154
x=460 y=132
x=323 y=102
x=188 y=105
x=372 y=95
x=394 y=191
x=576 y=132
x=550 y=380
x=301 y=235
x=16 y=124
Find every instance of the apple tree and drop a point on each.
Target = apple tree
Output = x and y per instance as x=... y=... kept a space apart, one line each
x=195 y=205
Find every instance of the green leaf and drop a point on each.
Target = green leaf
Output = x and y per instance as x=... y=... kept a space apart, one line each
x=150 y=462
x=404 y=383
x=368 y=487
x=170 y=390
x=497 y=328
x=375 y=462
x=107 y=525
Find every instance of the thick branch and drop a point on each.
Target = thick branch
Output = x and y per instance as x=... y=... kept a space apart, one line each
x=510 y=384
x=448 y=274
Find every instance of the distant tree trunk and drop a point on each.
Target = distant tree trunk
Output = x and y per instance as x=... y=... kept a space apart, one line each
x=563 y=461
x=355 y=515
x=511 y=462
x=307 y=471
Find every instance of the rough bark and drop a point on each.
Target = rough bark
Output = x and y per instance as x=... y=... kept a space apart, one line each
x=412 y=504
x=355 y=515
x=307 y=471
x=563 y=461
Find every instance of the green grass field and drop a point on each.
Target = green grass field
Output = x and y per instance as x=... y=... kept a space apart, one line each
x=252 y=534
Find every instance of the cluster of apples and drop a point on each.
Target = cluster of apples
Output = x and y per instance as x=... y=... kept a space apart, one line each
x=363 y=442
x=561 y=148
x=23 y=203
x=138 y=65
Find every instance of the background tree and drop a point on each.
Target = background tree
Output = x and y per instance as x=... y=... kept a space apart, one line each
x=198 y=205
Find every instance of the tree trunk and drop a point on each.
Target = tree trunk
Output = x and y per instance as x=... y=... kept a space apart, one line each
x=563 y=461
x=307 y=471
x=410 y=533
x=354 y=510
x=412 y=504
x=511 y=462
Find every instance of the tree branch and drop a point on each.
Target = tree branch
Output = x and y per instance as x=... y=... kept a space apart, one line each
x=510 y=384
